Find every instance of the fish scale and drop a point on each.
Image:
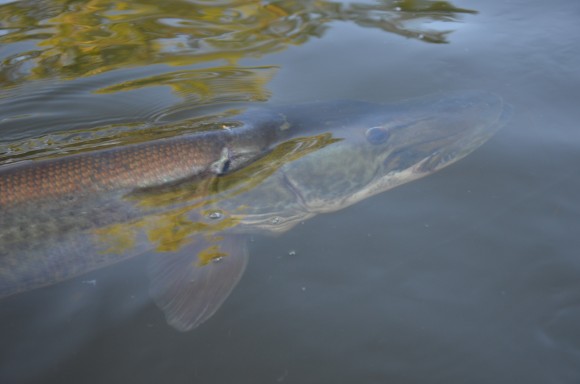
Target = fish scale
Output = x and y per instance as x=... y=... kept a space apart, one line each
x=146 y=164
x=136 y=166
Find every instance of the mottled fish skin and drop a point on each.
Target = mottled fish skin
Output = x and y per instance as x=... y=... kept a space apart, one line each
x=136 y=166
x=141 y=165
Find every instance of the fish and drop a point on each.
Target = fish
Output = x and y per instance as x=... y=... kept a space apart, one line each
x=274 y=166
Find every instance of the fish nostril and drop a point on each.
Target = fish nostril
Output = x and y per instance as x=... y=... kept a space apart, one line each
x=377 y=135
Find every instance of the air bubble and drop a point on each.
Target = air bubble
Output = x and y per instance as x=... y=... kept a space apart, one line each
x=227 y=126
x=215 y=215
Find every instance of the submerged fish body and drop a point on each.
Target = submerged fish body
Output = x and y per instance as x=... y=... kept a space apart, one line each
x=286 y=164
x=159 y=162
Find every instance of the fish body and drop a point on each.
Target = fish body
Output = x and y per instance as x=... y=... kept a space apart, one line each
x=305 y=160
x=50 y=210
x=142 y=165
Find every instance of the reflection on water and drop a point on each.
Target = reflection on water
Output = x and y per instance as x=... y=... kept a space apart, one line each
x=189 y=199
x=69 y=40
x=80 y=39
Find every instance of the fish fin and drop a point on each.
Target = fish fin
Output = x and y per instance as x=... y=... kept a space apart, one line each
x=189 y=286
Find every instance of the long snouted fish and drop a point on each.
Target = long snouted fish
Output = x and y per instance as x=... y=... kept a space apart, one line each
x=192 y=202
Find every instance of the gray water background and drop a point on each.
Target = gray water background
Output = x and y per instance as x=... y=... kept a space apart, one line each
x=471 y=275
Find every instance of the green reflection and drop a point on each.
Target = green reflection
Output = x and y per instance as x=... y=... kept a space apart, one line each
x=208 y=84
x=71 y=39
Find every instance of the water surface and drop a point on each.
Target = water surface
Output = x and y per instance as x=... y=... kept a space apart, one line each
x=469 y=275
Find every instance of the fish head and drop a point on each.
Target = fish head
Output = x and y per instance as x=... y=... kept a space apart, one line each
x=379 y=147
x=337 y=153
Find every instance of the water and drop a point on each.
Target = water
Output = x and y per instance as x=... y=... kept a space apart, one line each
x=469 y=275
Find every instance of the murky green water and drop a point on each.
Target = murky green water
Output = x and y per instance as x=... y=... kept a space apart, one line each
x=469 y=275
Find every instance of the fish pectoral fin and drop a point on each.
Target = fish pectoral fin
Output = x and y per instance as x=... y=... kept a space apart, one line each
x=189 y=286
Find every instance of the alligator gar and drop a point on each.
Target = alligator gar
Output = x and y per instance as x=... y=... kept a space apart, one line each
x=191 y=200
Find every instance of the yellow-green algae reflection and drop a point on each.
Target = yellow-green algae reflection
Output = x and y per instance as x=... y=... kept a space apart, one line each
x=71 y=39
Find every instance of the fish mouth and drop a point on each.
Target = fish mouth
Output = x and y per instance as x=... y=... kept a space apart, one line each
x=474 y=112
x=447 y=129
x=472 y=118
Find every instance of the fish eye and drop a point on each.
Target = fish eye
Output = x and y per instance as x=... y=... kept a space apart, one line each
x=377 y=135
